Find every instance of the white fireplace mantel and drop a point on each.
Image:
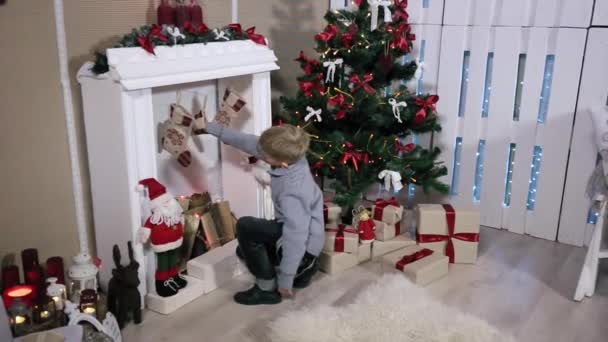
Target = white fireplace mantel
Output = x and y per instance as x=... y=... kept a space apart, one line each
x=122 y=112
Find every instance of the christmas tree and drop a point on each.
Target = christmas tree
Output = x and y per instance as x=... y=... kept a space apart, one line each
x=354 y=104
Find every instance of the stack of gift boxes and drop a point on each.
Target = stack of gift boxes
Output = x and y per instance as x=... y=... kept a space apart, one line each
x=444 y=235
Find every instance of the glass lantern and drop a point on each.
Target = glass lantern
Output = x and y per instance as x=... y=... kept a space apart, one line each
x=20 y=317
x=83 y=275
x=88 y=302
x=56 y=292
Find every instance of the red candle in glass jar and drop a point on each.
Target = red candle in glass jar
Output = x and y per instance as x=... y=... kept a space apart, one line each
x=10 y=276
x=196 y=13
x=165 y=13
x=182 y=14
x=23 y=292
x=35 y=278
x=29 y=259
x=54 y=268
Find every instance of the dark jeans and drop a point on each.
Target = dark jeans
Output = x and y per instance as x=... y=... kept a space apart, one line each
x=258 y=248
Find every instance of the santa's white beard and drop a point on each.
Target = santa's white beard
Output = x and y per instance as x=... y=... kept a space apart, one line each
x=169 y=213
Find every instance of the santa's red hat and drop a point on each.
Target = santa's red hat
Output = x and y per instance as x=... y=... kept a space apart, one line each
x=156 y=191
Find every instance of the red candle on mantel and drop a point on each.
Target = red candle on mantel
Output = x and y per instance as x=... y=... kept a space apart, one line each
x=35 y=278
x=165 y=13
x=54 y=268
x=182 y=15
x=10 y=276
x=23 y=292
x=29 y=259
x=196 y=13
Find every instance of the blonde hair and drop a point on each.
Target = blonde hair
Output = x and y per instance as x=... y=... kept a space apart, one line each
x=285 y=143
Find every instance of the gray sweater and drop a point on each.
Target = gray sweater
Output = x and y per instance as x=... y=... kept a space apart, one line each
x=298 y=204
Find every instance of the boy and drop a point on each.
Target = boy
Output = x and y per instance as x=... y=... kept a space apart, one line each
x=298 y=228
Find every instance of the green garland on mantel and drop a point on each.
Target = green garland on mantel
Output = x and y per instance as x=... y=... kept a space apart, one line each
x=149 y=36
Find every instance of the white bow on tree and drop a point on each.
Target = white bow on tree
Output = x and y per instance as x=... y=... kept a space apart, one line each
x=419 y=69
x=220 y=35
x=391 y=178
x=175 y=34
x=396 y=111
x=331 y=68
x=312 y=112
x=374 y=4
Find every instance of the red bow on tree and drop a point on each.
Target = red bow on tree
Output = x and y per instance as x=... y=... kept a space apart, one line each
x=425 y=104
x=351 y=155
x=236 y=28
x=330 y=32
x=307 y=87
x=400 y=13
x=349 y=37
x=358 y=83
x=339 y=101
x=198 y=29
x=317 y=165
x=255 y=37
x=308 y=63
x=401 y=37
x=404 y=148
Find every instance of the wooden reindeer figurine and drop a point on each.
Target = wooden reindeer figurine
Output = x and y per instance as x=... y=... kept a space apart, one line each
x=123 y=295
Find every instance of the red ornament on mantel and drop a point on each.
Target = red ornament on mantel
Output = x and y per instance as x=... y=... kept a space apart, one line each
x=165 y=13
x=182 y=14
x=196 y=13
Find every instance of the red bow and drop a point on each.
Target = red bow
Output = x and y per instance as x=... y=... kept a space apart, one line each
x=380 y=204
x=404 y=148
x=408 y=259
x=424 y=104
x=255 y=37
x=358 y=83
x=278 y=122
x=348 y=38
x=317 y=165
x=199 y=29
x=401 y=37
x=308 y=64
x=330 y=32
x=339 y=241
x=339 y=101
x=236 y=28
x=157 y=32
x=307 y=87
x=146 y=44
x=450 y=216
x=400 y=12
x=353 y=156
x=358 y=2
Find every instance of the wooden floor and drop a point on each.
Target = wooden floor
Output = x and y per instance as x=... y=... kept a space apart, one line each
x=520 y=284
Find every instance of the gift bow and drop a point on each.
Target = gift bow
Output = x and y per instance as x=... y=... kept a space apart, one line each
x=175 y=34
x=331 y=68
x=330 y=32
x=374 y=4
x=404 y=148
x=339 y=241
x=380 y=204
x=408 y=259
x=359 y=83
x=424 y=104
x=396 y=112
x=400 y=12
x=220 y=35
x=255 y=37
x=312 y=112
x=450 y=216
x=353 y=156
x=391 y=177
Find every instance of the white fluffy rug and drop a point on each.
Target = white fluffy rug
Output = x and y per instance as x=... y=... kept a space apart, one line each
x=392 y=309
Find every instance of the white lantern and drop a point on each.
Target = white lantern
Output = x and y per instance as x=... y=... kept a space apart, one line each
x=83 y=275
x=57 y=293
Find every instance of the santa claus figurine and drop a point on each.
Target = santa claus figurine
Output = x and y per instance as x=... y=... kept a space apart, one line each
x=164 y=230
x=365 y=225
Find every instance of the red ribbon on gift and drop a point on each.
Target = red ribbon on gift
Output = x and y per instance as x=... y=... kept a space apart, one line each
x=408 y=259
x=398 y=228
x=339 y=241
x=450 y=216
x=359 y=83
x=425 y=104
x=255 y=37
x=380 y=204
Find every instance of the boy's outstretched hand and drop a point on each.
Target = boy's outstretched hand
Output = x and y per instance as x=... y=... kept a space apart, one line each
x=286 y=293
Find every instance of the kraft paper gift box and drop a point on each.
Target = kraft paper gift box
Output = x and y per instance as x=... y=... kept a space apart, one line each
x=388 y=211
x=449 y=230
x=380 y=248
x=335 y=262
x=385 y=231
x=216 y=267
x=341 y=238
x=421 y=265
x=332 y=212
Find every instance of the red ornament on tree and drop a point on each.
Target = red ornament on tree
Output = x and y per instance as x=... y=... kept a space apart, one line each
x=196 y=13
x=165 y=13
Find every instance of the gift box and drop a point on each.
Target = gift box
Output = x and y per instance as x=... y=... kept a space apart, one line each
x=421 y=265
x=216 y=267
x=341 y=238
x=335 y=262
x=449 y=230
x=380 y=248
x=224 y=222
x=192 y=224
x=332 y=213
x=385 y=231
x=387 y=211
